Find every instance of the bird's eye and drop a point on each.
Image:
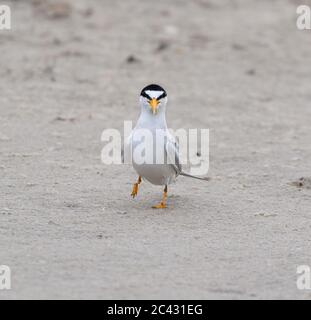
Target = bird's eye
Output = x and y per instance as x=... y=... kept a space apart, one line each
x=145 y=95
x=163 y=95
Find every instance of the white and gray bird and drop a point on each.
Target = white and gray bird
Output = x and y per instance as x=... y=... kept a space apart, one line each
x=153 y=100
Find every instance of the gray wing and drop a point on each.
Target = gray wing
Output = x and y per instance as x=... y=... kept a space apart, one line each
x=172 y=155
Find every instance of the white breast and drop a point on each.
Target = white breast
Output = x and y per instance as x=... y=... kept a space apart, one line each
x=158 y=174
x=155 y=169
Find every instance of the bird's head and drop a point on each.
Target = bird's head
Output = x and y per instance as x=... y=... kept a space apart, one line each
x=153 y=98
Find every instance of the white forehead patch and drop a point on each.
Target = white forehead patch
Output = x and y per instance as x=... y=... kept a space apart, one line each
x=154 y=94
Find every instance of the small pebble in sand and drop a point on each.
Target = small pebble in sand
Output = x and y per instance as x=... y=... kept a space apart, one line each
x=60 y=118
x=56 y=42
x=163 y=45
x=121 y=212
x=251 y=72
x=266 y=214
x=30 y=185
x=88 y=12
x=132 y=59
x=238 y=47
x=53 y=223
x=302 y=183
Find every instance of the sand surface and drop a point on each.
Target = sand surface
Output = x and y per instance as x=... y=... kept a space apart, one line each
x=68 y=226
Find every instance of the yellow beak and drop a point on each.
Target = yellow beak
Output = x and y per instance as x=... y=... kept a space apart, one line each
x=153 y=104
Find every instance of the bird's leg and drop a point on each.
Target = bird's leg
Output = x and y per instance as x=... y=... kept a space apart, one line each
x=162 y=204
x=135 y=187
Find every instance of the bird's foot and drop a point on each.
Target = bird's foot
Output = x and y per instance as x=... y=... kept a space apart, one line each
x=134 y=190
x=162 y=205
x=135 y=187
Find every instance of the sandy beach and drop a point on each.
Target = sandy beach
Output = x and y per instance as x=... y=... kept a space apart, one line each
x=69 y=228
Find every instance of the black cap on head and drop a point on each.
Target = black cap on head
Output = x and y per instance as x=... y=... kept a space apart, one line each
x=153 y=87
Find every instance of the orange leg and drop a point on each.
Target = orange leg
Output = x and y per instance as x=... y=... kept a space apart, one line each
x=162 y=204
x=135 y=187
